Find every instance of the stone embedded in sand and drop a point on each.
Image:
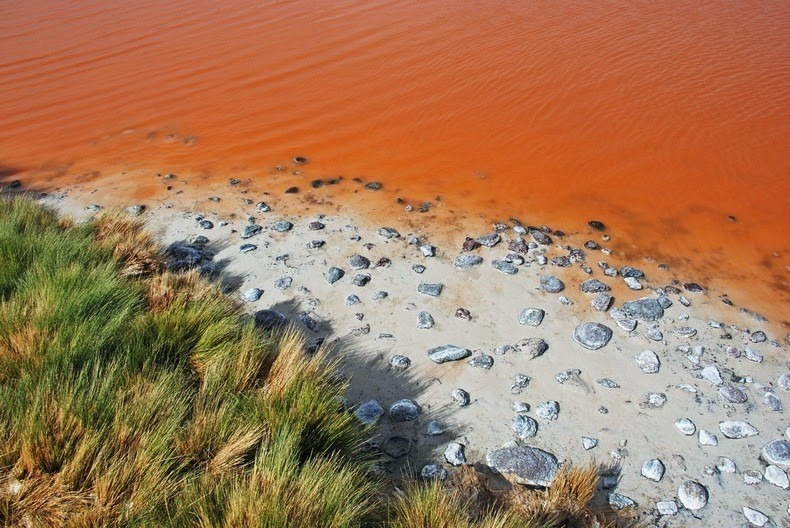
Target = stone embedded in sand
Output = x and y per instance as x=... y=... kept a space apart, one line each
x=432 y=289
x=609 y=384
x=316 y=226
x=648 y=362
x=369 y=413
x=707 y=439
x=531 y=316
x=360 y=279
x=618 y=501
x=592 y=336
x=524 y=426
x=281 y=226
x=252 y=295
x=397 y=446
x=489 y=240
x=732 y=394
x=602 y=301
x=777 y=453
x=693 y=495
x=461 y=397
x=520 y=382
x=758 y=337
x=352 y=299
x=424 y=320
x=685 y=426
x=752 y=477
x=540 y=237
x=206 y=224
x=777 y=476
x=755 y=517
x=446 y=353
x=454 y=454
x=667 y=507
x=388 y=232
x=428 y=250
x=646 y=309
x=653 y=469
x=548 y=410
x=551 y=284
x=589 y=443
x=773 y=402
x=628 y=271
x=529 y=465
x=504 y=266
x=404 y=411
x=358 y=262
x=400 y=362
x=736 y=429
x=247 y=248
x=283 y=283
x=784 y=382
x=334 y=274
x=269 y=319
x=594 y=286
x=483 y=361
x=468 y=261
x=135 y=210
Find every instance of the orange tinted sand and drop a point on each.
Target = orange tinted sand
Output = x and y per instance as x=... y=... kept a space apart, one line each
x=660 y=118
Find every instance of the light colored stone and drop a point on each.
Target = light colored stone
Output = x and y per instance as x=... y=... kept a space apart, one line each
x=653 y=469
x=454 y=454
x=693 y=495
x=736 y=429
x=777 y=476
x=667 y=507
x=755 y=518
x=589 y=443
x=685 y=426
x=711 y=374
x=648 y=362
x=707 y=439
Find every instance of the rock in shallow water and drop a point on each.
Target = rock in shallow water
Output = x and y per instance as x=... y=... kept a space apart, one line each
x=592 y=336
x=529 y=465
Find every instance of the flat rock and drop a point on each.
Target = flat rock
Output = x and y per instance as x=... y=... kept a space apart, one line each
x=648 y=362
x=777 y=476
x=432 y=289
x=397 y=446
x=755 y=517
x=540 y=237
x=282 y=226
x=693 y=495
x=489 y=240
x=619 y=501
x=529 y=465
x=736 y=429
x=594 y=286
x=707 y=438
x=551 y=284
x=777 y=453
x=446 y=353
x=283 y=283
x=592 y=336
x=667 y=507
x=524 y=426
x=351 y=300
x=732 y=394
x=388 y=232
x=633 y=283
x=711 y=373
x=589 y=443
x=646 y=309
x=269 y=319
x=773 y=402
x=247 y=248
x=404 y=411
x=428 y=250
x=602 y=301
x=628 y=271
x=504 y=266
x=531 y=316
x=468 y=261
x=369 y=413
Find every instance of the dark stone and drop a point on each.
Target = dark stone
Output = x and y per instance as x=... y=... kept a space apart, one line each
x=246 y=248
x=388 y=233
x=360 y=279
x=758 y=337
x=334 y=274
x=646 y=309
x=463 y=313
x=529 y=465
x=628 y=271
x=598 y=226
x=551 y=284
x=315 y=184
x=591 y=245
x=373 y=186
x=369 y=413
x=270 y=319
x=316 y=226
x=315 y=244
x=282 y=226
x=358 y=262
x=396 y=446
x=434 y=290
x=300 y=160
x=594 y=286
x=540 y=237
x=404 y=411
x=561 y=261
x=418 y=268
x=263 y=207
x=518 y=246
x=250 y=230
x=504 y=266
x=490 y=240
x=470 y=244
x=206 y=224
x=693 y=287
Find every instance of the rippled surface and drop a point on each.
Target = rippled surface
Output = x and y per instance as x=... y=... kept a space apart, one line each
x=661 y=118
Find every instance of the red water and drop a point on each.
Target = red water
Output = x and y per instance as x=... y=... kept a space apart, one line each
x=660 y=118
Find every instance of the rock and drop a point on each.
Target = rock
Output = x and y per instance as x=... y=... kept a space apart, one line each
x=520 y=407
x=360 y=279
x=753 y=355
x=504 y=266
x=755 y=518
x=602 y=301
x=609 y=384
x=309 y=322
x=648 y=362
x=400 y=362
x=685 y=426
x=592 y=336
x=281 y=226
x=533 y=346
x=424 y=320
x=482 y=361
x=396 y=446
x=633 y=283
x=777 y=476
x=434 y=290
x=565 y=301
x=653 y=469
x=619 y=502
x=654 y=400
x=463 y=313
x=725 y=465
x=373 y=186
x=629 y=325
x=489 y=240
x=388 y=233
x=693 y=495
x=269 y=319
x=315 y=244
x=283 y=283
x=693 y=287
x=135 y=210
x=667 y=507
x=783 y=382
x=654 y=334
x=418 y=268
x=334 y=274
x=404 y=411
x=252 y=295
x=548 y=410
x=524 y=426
x=434 y=429
x=646 y=309
x=206 y=224
x=433 y=472
x=428 y=250
x=369 y=413
x=598 y=226
x=711 y=373
x=529 y=465
x=571 y=378
x=263 y=207
x=454 y=454
x=468 y=261
x=351 y=300
x=732 y=394
x=247 y=248
x=531 y=316
x=777 y=453
x=738 y=429
x=316 y=226
x=594 y=286
x=628 y=271
x=664 y=302
x=707 y=439
x=589 y=443
x=470 y=244
x=551 y=284
x=461 y=397
x=751 y=477
x=520 y=382
x=358 y=262
x=380 y=295
x=446 y=353
x=540 y=237
x=774 y=403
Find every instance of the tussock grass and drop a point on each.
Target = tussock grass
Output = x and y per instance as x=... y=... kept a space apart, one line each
x=131 y=396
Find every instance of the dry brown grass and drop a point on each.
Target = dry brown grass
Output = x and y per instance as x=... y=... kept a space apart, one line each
x=39 y=501
x=133 y=247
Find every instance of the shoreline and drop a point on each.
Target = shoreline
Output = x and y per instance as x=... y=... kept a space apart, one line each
x=632 y=430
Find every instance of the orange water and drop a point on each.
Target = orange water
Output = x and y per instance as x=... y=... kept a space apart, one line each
x=660 y=118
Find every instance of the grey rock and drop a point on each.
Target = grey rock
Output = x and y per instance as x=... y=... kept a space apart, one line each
x=602 y=301
x=685 y=426
x=653 y=469
x=541 y=259
x=252 y=295
x=461 y=397
x=646 y=309
x=263 y=207
x=540 y=237
x=777 y=453
x=758 y=337
x=628 y=271
x=732 y=394
x=504 y=266
x=736 y=429
x=388 y=233
x=351 y=300
x=309 y=321
x=618 y=501
x=783 y=382
x=753 y=355
x=571 y=378
x=446 y=353
x=664 y=302
x=251 y=230
x=609 y=384
x=432 y=289
x=397 y=446
x=428 y=250
x=565 y=301
x=707 y=439
x=592 y=336
x=433 y=472
x=594 y=286
x=548 y=410
x=533 y=347
x=524 y=426
x=404 y=411
x=483 y=361
x=434 y=429
x=654 y=400
x=551 y=284
x=648 y=362
x=334 y=274
x=773 y=403
x=468 y=261
x=520 y=407
x=667 y=507
x=711 y=373
x=725 y=465
x=206 y=224
x=360 y=279
x=454 y=454
x=358 y=262
x=633 y=283
x=531 y=316
x=685 y=331
x=400 y=362
x=777 y=476
x=369 y=413
x=755 y=517
x=693 y=495
x=489 y=240
x=281 y=226
x=589 y=443
x=316 y=226
x=283 y=283
x=693 y=287
x=135 y=210
x=529 y=465
x=520 y=382
x=380 y=295
x=269 y=319
x=629 y=325
x=315 y=244
x=247 y=248
x=752 y=477
x=424 y=320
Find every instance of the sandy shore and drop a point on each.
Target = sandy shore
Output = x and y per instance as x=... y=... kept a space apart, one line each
x=697 y=340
